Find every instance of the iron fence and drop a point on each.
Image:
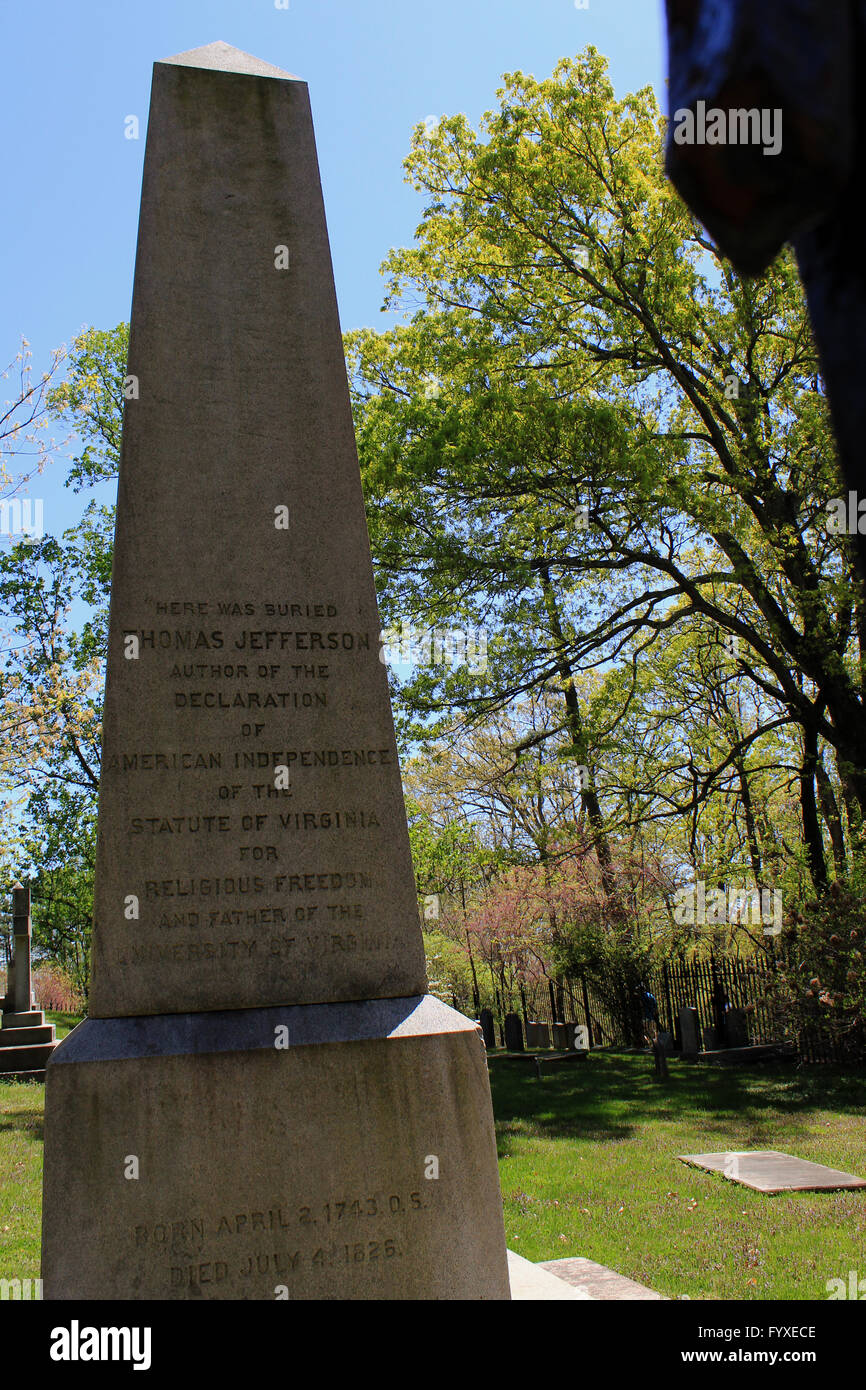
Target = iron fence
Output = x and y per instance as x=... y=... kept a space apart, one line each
x=711 y=986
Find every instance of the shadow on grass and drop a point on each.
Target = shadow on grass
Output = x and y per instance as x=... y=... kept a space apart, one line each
x=22 y=1120
x=610 y=1097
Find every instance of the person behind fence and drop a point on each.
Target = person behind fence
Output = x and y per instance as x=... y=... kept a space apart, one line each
x=650 y=1007
x=721 y=1005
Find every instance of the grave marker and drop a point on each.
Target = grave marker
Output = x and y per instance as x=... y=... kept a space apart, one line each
x=263 y=1103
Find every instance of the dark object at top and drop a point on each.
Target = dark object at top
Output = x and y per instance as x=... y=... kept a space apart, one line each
x=802 y=59
x=757 y=183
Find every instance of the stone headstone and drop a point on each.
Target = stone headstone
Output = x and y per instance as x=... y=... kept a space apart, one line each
x=659 y=1057
x=513 y=1033
x=711 y=1039
x=690 y=1031
x=263 y=1102
x=737 y=1028
x=563 y=1035
x=488 y=1031
x=542 y=1035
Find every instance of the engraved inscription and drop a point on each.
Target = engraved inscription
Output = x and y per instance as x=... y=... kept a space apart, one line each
x=261 y=786
x=283 y=1239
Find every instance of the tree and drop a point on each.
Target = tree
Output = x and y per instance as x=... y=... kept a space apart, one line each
x=23 y=420
x=52 y=673
x=821 y=983
x=520 y=797
x=24 y=452
x=62 y=845
x=52 y=677
x=594 y=437
x=91 y=397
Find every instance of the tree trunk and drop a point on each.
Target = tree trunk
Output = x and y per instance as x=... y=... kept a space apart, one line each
x=832 y=817
x=574 y=723
x=751 y=827
x=809 y=811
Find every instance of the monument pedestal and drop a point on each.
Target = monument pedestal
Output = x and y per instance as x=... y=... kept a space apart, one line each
x=339 y=1151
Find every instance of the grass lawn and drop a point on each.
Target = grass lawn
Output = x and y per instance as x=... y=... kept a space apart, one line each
x=21 y=1109
x=588 y=1167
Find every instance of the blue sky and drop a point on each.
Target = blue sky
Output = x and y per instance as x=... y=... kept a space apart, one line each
x=75 y=69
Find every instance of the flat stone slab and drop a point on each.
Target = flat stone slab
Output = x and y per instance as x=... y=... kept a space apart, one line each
x=535 y=1282
x=741 y=1056
x=767 y=1170
x=575 y=1055
x=598 y=1282
x=530 y=1056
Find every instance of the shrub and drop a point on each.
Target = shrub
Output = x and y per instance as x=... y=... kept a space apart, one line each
x=55 y=990
x=616 y=965
x=821 y=980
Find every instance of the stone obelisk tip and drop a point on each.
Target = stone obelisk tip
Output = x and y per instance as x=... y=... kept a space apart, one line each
x=221 y=57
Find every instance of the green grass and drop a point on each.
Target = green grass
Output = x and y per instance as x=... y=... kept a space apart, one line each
x=21 y=1107
x=588 y=1167
x=64 y=1023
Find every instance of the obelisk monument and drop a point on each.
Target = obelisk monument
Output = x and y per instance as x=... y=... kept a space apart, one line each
x=263 y=1102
